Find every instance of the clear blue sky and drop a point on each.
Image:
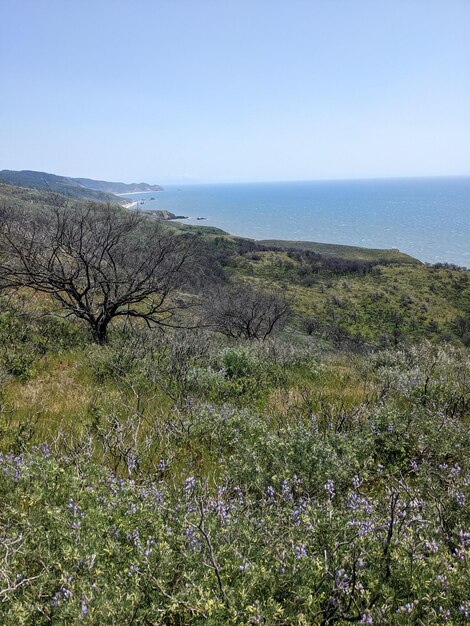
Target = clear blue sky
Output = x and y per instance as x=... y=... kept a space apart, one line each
x=235 y=90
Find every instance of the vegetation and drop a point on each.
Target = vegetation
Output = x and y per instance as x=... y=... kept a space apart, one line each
x=352 y=253
x=97 y=262
x=317 y=473
x=54 y=184
x=82 y=188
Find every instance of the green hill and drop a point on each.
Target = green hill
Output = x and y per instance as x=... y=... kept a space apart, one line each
x=82 y=188
x=344 y=252
x=108 y=187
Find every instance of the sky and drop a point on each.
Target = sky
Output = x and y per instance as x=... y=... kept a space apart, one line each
x=194 y=91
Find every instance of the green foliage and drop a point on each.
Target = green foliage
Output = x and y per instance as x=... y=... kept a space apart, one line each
x=181 y=477
x=27 y=335
x=299 y=525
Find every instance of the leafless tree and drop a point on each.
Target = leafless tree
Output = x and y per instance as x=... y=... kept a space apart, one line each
x=98 y=261
x=248 y=313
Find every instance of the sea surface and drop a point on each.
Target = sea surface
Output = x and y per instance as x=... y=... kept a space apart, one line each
x=428 y=218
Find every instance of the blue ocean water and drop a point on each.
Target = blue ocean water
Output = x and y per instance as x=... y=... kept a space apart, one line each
x=428 y=218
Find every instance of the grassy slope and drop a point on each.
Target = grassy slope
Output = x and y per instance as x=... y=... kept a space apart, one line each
x=58 y=387
x=54 y=184
x=422 y=300
x=426 y=300
x=354 y=253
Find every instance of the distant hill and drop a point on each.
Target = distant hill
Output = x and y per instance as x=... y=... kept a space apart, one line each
x=107 y=187
x=340 y=251
x=83 y=188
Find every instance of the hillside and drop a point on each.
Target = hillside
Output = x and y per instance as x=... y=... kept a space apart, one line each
x=205 y=472
x=82 y=188
x=343 y=251
x=55 y=184
x=116 y=188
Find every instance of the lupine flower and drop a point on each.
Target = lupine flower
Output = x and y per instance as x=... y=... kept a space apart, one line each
x=189 y=485
x=406 y=608
x=464 y=538
x=356 y=503
x=445 y=614
x=286 y=491
x=300 y=551
x=46 y=451
x=431 y=546
x=329 y=487
x=342 y=580
x=442 y=581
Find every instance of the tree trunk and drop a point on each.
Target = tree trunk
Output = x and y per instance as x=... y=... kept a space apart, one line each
x=100 y=332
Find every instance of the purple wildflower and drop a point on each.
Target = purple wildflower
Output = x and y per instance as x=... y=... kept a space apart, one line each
x=300 y=551
x=329 y=487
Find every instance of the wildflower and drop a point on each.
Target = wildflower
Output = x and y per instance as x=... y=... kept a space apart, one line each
x=444 y=613
x=149 y=544
x=46 y=451
x=329 y=487
x=460 y=498
x=431 y=546
x=356 y=482
x=84 y=609
x=356 y=503
x=286 y=491
x=442 y=580
x=366 y=618
x=342 y=580
x=300 y=551
x=407 y=608
x=221 y=509
x=270 y=491
x=464 y=538
x=189 y=485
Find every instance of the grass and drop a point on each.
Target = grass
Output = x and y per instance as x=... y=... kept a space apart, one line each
x=421 y=301
x=354 y=253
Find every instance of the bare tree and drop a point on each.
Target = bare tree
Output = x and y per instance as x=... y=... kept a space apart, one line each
x=99 y=262
x=248 y=313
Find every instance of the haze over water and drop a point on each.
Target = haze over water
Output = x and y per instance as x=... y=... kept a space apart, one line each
x=428 y=218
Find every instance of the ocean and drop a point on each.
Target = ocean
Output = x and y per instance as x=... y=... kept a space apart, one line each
x=428 y=218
